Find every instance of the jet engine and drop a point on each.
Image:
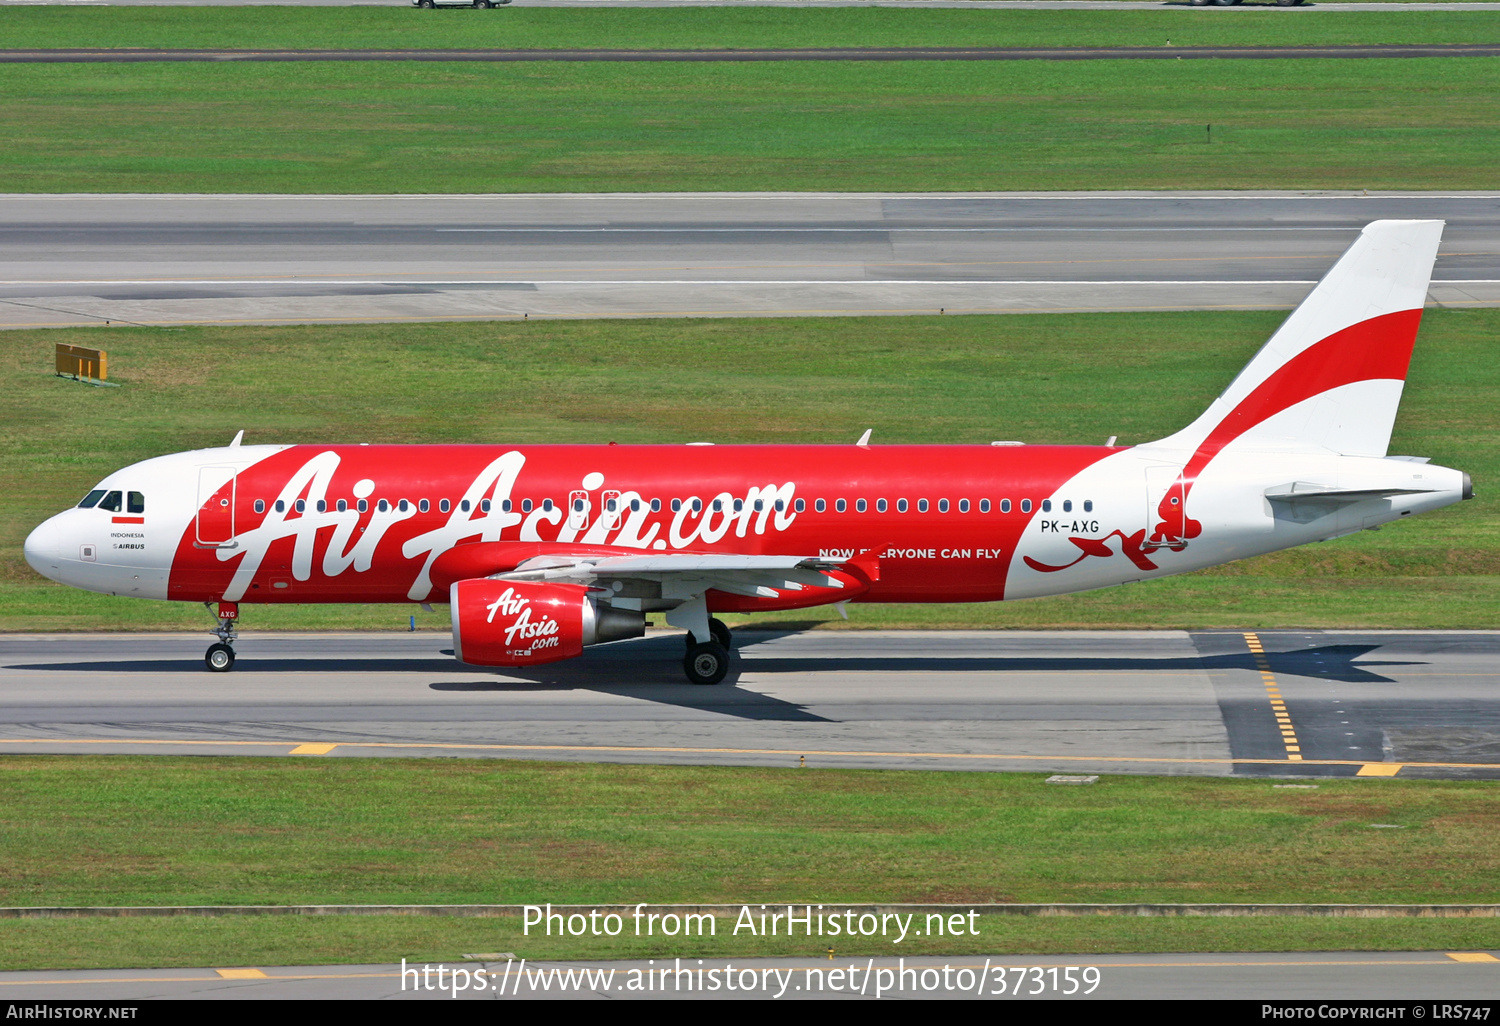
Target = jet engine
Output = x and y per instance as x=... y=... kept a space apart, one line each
x=521 y=623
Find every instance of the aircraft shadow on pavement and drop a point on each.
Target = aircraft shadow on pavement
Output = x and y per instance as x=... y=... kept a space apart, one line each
x=648 y=670
x=656 y=663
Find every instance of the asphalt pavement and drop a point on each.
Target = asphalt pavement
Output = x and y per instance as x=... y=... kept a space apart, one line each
x=1397 y=977
x=186 y=259
x=1153 y=702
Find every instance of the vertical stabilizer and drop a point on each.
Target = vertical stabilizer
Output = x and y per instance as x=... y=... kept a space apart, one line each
x=1330 y=379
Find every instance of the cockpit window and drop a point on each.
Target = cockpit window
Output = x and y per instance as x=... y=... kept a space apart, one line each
x=111 y=502
x=135 y=502
x=91 y=499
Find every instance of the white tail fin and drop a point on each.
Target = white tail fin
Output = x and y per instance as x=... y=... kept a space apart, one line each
x=1330 y=379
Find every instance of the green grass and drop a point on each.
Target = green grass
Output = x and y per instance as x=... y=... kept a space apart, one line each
x=174 y=830
x=553 y=28
x=1071 y=378
x=327 y=940
x=440 y=127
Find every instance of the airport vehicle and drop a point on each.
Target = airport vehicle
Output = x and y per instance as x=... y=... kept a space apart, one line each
x=429 y=4
x=542 y=550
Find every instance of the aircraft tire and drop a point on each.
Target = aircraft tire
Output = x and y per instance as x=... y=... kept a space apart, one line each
x=721 y=634
x=219 y=658
x=427 y=5
x=706 y=663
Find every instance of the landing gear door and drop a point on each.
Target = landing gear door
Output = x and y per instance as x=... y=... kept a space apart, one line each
x=1165 y=513
x=215 y=506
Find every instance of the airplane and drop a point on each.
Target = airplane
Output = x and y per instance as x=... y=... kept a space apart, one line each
x=543 y=550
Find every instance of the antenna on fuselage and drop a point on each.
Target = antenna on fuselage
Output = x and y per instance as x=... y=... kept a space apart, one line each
x=235 y=444
x=864 y=439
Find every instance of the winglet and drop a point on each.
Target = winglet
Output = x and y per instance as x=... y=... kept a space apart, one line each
x=864 y=439
x=235 y=443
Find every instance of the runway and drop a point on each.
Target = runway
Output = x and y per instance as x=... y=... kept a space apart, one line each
x=1399 y=977
x=1147 y=702
x=128 y=55
x=200 y=259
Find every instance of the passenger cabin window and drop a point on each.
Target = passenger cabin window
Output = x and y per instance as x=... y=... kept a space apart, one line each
x=525 y=505
x=1004 y=505
x=1025 y=505
x=322 y=505
x=463 y=505
x=739 y=505
x=800 y=505
x=301 y=505
x=135 y=502
x=921 y=505
x=1088 y=505
x=1046 y=505
x=697 y=505
x=879 y=505
x=260 y=505
x=281 y=505
x=984 y=505
x=900 y=505
x=91 y=499
x=547 y=505
x=841 y=505
x=963 y=505
x=423 y=506
x=383 y=506
x=443 y=506
x=111 y=502
x=676 y=505
x=859 y=504
x=484 y=505
x=820 y=506
x=942 y=505
x=363 y=505
x=504 y=505
x=656 y=505
x=343 y=506
x=1067 y=505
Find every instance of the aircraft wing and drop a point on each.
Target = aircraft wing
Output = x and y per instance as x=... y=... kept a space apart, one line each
x=685 y=574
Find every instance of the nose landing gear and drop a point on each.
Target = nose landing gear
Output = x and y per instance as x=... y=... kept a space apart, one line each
x=220 y=656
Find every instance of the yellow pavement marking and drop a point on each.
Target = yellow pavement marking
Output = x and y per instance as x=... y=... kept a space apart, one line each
x=671 y=750
x=1472 y=956
x=1379 y=769
x=1451 y=959
x=242 y=974
x=1273 y=692
x=312 y=749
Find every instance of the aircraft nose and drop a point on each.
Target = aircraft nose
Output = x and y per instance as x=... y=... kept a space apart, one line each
x=44 y=548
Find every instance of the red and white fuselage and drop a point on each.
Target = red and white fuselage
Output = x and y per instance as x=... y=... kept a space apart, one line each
x=1294 y=451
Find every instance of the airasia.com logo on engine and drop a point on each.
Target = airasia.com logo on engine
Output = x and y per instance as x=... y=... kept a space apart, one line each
x=542 y=633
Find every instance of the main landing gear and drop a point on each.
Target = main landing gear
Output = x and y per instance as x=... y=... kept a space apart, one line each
x=220 y=656
x=708 y=662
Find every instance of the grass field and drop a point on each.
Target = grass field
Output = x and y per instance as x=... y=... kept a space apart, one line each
x=442 y=127
x=643 y=28
x=284 y=831
x=916 y=380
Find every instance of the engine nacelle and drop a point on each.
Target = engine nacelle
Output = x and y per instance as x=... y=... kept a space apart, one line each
x=521 y=623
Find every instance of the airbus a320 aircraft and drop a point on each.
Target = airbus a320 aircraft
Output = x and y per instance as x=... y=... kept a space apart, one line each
x=542 y=550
